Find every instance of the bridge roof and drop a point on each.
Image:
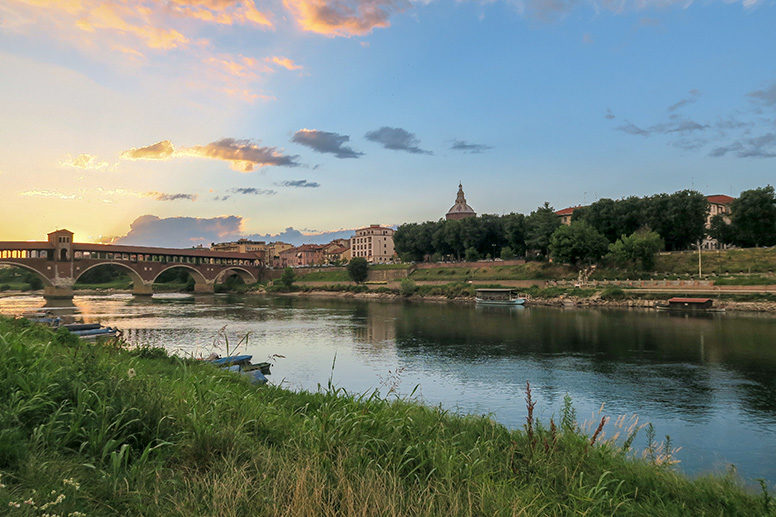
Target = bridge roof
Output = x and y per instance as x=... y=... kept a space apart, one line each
x=116 y=248
x=190 y=252
x=26 y=245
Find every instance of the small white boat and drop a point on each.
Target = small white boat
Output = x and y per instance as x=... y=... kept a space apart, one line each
x=498 y=297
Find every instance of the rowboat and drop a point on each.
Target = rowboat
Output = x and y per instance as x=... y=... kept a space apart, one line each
x=242 y=364
x=498 y=297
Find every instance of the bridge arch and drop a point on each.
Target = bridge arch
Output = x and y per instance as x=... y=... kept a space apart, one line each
x=136 y=279
x=46 y=280
x=243 y=273
x=199 y=278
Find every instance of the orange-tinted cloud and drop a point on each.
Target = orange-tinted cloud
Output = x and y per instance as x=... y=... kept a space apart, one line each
x=239 y=66
x=343 y=17
x=284 y=62
x=158 y=151
x=84 y=161
x=242 y=155
x=225 y=12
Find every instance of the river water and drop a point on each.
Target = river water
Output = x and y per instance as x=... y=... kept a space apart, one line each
x=707 y=381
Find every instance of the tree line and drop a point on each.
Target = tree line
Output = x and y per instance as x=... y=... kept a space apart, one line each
x=628 y=230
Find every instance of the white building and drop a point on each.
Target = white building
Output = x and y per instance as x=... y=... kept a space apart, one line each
x=374 y=243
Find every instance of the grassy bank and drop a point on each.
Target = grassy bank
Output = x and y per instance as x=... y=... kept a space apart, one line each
x=99 y=430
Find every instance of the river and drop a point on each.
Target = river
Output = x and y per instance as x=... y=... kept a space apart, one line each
x=707 y=381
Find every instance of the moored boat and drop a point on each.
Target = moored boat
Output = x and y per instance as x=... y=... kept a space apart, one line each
x=242 y=364
x=492 y=296
x=689 y=305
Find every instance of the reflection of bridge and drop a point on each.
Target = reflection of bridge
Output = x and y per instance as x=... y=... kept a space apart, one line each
x=59 y=262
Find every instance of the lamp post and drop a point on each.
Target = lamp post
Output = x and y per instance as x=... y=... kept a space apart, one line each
x=700 y=265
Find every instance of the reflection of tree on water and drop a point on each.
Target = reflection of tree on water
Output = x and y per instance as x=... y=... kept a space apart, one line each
x=627 y=348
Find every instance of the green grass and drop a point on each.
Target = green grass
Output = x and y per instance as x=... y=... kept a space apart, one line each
x=323 y=276
x=101 y=430
x=491 y=271
x=746 y=280
x=737 y=261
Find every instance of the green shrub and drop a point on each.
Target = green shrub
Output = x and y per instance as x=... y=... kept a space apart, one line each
x=407 y=287
x=613 y=293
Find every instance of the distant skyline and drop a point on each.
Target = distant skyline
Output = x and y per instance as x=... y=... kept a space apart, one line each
x=186 y=120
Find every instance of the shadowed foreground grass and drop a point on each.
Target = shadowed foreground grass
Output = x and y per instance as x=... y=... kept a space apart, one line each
x=97 y=430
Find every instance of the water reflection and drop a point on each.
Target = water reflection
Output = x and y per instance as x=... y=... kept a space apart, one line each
x=708 y=381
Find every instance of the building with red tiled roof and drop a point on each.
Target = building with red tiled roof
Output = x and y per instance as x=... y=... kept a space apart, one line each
x=304 y=255
x=719 y=204
x=566 y=213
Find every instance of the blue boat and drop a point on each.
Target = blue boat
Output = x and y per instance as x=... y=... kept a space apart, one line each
x=242 y=364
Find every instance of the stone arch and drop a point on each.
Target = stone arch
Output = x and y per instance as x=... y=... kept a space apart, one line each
x=136 y=279
x=243 y=273
x=46 y=280
x=199 y=278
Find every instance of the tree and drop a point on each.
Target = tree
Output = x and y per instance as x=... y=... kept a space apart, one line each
x=539 y=227
x=637 y=249
x=471 y=255
x=753 y=217
x=721 y=230
x=288 y=278
x=358 y=269
x=577 y=243
x=507 y=253
x=514 y=232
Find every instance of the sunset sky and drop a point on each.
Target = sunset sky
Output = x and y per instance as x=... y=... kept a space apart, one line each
x=191 y=121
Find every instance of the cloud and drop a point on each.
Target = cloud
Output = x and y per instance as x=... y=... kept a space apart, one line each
x=396 y=139
x=241 y=67
x=175 y=232
x=677 y=125
x=243 y=155
x=225 y=12
x=47 y=194
x=297 y=237
x=284 y=62
x=344 y=17
x=299 y=184
x=766 y=96
x=161 y=196
x=693 y=98
x=84 y=161
x=609 y=115
x=467 y=147
x=185 y=232
x=757 y=147
x=254 y=191
x=632 y=129
x=325 y=142
x=158 y=151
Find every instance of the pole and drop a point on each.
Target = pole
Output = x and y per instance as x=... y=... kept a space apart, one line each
x=700 y=267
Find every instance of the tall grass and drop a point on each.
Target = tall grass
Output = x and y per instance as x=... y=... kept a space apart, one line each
x=101 y=430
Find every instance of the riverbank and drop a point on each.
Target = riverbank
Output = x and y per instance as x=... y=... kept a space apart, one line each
x=551 y=297
x=102 y=430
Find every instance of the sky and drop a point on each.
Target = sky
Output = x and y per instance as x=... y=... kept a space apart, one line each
x=194 y=121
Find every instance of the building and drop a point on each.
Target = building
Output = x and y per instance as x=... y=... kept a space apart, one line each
x=274 y=249
x=374 y=243
x=566 y=213
x=260 y=248
x=337 y=250
x=304 y=255
x=460 y=210
x=719 y=204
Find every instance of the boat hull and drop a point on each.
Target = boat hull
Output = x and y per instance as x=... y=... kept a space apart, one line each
x=516 y=301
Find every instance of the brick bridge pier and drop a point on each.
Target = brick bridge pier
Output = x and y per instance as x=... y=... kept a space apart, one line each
x=60 y=262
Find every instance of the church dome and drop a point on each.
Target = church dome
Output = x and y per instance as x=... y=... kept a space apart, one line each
x=460 y=209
